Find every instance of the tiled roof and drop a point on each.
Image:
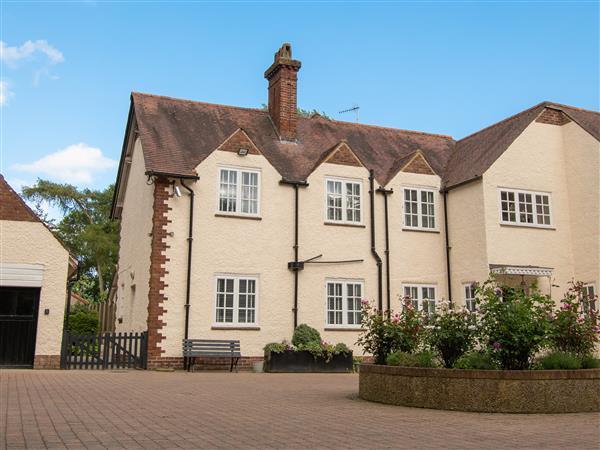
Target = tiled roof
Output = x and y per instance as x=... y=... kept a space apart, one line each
x=12 y=206
x=474 y=154
x=177 y=135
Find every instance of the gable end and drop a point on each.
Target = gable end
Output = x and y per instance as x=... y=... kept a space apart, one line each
x=418 y=164
x=343 y=155
x=553 y=117
x=239 y=140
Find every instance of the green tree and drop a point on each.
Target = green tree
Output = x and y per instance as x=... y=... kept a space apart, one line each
x=85 y=228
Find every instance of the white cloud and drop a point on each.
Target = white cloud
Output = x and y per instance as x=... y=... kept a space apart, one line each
x=13 y=55
x=75 y=164
x=5 y=92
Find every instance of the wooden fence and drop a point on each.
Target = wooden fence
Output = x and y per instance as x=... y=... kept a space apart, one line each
x=107 y=314
x=105 y=351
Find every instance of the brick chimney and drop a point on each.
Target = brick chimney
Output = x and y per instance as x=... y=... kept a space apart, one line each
x=283 y=77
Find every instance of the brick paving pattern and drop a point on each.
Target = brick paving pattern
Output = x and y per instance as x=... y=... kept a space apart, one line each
x=137 y=409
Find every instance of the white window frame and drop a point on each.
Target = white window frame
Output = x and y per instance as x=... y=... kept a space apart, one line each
x=344 y=220
x=344 y=282
x=469 y=296
x=236 y=300
x=534 y=204
x=587 y=287
x=238 y=195
x=418 y=302
x=420 y=214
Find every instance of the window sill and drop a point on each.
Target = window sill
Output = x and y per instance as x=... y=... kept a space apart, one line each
x=421 y=230
x=238 y=216
x=536 y=227
x=345 y=224
x=343 y=329
x=215 y=327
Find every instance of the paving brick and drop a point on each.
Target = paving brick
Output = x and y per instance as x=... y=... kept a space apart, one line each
x=154 y=410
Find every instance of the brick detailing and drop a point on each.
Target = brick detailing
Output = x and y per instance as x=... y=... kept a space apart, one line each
x=46 y=362
x=245 y=363
x=283 y=82
x=553 y=117
x=158 y=261
x=12 y=206
x=343 y=155
x=239 y=139
x=418 y=164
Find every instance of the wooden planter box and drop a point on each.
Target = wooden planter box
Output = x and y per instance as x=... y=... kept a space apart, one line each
x=506 y=391
x=304 y=361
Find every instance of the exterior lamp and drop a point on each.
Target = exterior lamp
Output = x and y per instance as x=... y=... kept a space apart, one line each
x=242 y=151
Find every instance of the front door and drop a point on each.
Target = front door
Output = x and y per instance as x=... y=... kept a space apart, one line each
x=18 y=324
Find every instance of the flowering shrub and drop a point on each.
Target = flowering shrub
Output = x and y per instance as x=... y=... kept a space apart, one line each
x=453 y=333
x=514 y=324
x=572 y=330
x=385 y=333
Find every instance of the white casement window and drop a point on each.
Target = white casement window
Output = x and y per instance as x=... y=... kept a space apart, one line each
x=236 y=299
x=344 y=201
x=343 y=303
x=423 y=297
x=470 y=302
x=525 y=208
x=419 y=209
x=239 y=191
x=588 y=297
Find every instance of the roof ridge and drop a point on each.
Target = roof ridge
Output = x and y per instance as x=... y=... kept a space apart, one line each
x=343 y=122
x=503 y=120
x=183 y=100
x=561 y=105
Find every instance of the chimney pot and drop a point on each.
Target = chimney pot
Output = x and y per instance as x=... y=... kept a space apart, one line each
x=283 y=81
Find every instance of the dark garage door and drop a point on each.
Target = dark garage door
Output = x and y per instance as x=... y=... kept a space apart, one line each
x=18 y=323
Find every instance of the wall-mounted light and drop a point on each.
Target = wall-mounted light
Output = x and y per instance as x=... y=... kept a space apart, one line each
x=120 y=319
x=243 y=151
x=177 y=191
x=46 y=312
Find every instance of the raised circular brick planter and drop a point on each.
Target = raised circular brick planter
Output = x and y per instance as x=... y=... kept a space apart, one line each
x=518 y=391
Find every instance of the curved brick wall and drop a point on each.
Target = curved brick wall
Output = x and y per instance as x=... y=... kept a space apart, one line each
x=519 y=391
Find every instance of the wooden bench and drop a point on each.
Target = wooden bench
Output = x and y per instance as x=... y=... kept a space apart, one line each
x=210 y=348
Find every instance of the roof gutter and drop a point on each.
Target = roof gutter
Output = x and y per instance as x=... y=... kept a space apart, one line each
x=470 y=180
x=155 y=173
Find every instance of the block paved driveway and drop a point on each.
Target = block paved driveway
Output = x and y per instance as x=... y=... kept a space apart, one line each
x=136 y=409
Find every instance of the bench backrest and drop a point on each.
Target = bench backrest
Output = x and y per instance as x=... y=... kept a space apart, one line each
x=211 y=347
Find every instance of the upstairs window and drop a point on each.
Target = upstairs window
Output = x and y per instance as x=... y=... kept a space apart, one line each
x=239 y=191
x=419 y=209
x=525 y=208
x=470 y=302
x=235 y=303
x=344 y=201
x=343 y=303
x=422 y=297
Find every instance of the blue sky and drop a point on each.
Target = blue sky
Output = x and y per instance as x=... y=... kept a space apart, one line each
x=445 y=67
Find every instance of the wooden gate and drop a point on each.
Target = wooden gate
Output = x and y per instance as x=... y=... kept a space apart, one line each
x=105 y=351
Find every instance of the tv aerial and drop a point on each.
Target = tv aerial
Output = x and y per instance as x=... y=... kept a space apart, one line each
x=354 y=109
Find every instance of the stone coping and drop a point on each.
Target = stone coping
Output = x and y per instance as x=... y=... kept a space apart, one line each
x=483 y=374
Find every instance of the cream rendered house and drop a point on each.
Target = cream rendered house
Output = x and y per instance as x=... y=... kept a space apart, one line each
x=34 y=268
x=240 y=223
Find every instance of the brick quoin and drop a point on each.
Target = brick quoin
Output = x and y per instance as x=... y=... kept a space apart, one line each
x=553 y=117
x=158 y=260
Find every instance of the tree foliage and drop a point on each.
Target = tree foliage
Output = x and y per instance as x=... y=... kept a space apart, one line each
x=85 y=228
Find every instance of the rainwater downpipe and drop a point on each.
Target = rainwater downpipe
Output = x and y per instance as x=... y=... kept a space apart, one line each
x=448 y=272
x=190 y=240
x=388 y=288
x=373 y=249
